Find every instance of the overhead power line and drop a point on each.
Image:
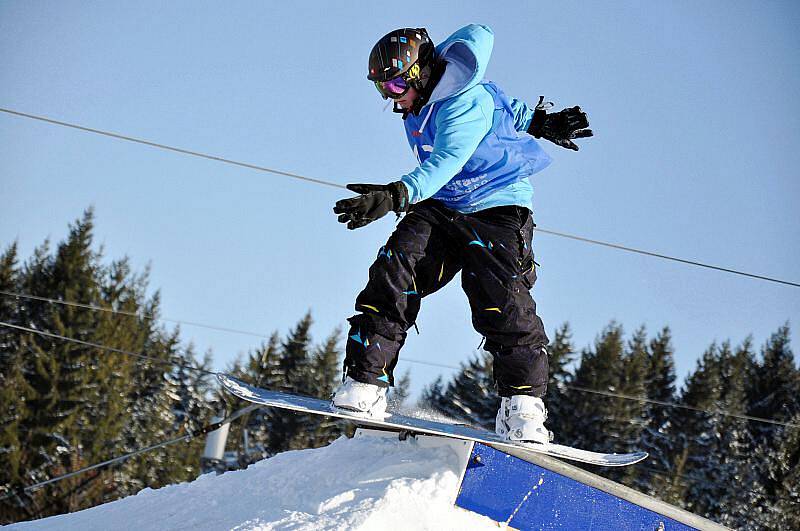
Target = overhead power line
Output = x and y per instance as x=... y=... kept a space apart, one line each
x=175 y=149
x=140 y=315
x=575 y=388
x=340 y=186
x=685 y=479
x=109 y=349
x=666 y=257
x=151 y=317
x=190 y=435
x=682 y=406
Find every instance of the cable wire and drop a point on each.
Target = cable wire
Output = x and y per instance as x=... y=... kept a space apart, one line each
x=190 y=435
x=247 y=410
x=575 y=388
x=665 y=257
x=141 y=315
x=336 y=185
x=683 y=406
x=110 y=349
x=94 y=307
x=172 y=148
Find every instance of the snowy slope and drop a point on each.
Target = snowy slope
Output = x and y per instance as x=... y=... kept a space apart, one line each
x=360 y=483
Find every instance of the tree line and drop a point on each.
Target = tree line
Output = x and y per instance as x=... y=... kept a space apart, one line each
x=67 y=405
x=705 y=456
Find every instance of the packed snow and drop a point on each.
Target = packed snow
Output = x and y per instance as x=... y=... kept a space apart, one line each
x=360 y=483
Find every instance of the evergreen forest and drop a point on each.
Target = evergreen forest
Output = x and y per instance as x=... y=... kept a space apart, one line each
x=89 y=373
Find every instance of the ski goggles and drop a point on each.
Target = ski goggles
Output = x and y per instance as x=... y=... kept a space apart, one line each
x=395 y=88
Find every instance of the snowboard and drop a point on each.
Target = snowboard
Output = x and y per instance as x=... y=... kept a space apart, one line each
x=405 y=424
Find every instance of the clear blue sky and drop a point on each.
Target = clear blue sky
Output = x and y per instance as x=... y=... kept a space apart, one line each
x=694 y=105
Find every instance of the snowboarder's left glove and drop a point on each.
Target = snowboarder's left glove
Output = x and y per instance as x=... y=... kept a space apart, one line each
x=375 y=201
x=559 y=127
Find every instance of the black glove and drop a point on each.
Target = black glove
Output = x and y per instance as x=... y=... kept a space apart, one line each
x=559 y=127
x=375 y=201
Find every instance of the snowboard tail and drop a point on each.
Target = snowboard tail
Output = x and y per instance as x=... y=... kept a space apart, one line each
x=401 y=423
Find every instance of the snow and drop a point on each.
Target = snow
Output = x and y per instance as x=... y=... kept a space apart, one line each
x=360 y=483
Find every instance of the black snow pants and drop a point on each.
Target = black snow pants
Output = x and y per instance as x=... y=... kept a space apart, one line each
x=492 y=250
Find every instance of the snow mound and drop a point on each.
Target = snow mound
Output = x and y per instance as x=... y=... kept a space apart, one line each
x=360 y=483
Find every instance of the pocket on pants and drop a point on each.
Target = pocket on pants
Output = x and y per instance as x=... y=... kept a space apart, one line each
x=526 y=261
x=528 y=272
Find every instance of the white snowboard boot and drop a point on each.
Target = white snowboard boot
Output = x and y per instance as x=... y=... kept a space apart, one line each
x=360 y=397
x=521 y=419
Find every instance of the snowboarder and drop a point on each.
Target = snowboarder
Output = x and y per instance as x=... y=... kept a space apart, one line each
x=468 y=209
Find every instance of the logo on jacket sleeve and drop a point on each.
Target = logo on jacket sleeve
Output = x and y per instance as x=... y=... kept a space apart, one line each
x=426 y=148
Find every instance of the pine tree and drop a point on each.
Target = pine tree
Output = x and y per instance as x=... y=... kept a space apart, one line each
x=774 y=390
x=470 y=396
x=631 y=414
x=292 y=366
x=295 y=361
x=290 y=431
x=262 y=369
x=432 y=395
x=82 y=404
x=558 y=400
x=779 y=496
x=150 y=416
x=263 y=366
x=190 y=390
x=9 y=283
x=703 y=390
x=400 y=392
x=734 y=446
x=325 y=369
x=104 y=418
x=60 y=372
x=326 y=366
x=599 y=424
x=167 y=401
x=13 y=391
x=658 y=435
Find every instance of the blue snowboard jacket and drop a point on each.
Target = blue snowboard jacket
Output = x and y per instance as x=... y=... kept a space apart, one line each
x=469 y=138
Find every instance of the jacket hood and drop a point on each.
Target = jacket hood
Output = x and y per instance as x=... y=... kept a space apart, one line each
x=467 y=53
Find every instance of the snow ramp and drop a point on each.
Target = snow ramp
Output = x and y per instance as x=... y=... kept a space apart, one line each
x=377 y=481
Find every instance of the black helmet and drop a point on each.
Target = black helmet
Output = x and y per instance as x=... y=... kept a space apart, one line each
x=406 y=52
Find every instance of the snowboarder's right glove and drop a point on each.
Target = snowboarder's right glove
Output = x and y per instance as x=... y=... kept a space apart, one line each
x=559 y=127
x=375 y=201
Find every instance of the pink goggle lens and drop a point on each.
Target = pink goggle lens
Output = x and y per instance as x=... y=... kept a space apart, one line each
x=395 y=85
